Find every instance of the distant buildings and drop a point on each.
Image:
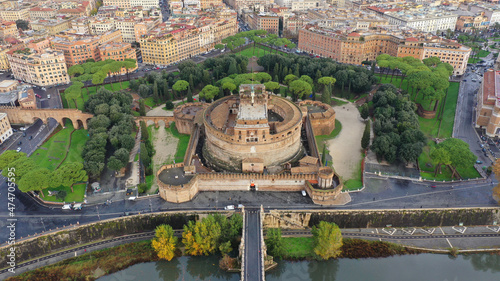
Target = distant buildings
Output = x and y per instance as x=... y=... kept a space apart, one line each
x=185 y=38
x=132 y=3
x=44 y=68
x=79 y=48
x=356 y=47
x=264 y=21
x=427 y=21
x=5 y=128
x=488 y=104
x=12 y=94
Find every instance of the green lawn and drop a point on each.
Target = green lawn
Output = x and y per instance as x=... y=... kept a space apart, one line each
x=298 y=247
x=338 y=102
x=181 y=145
x=355 y=183
x=75 y=196
x=258 y=51
x=91 y=90
x=53 y=151
x=149 y=102
x=51 y=154
x=322 y=138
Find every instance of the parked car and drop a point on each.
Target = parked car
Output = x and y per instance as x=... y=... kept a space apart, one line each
x=132 y=198
x=18 y=149
x=77 y=206
x=30 y=138
x=19 y=143
x=304 y=193
x=66 y=207
x=479 y=162
x=229 y=207
x=48 y=96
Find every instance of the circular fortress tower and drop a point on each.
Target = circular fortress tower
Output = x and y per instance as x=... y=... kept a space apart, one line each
x=252 y=130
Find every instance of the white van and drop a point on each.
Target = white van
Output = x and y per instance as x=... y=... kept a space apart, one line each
x=229 y=207
x=48 y=96
x=66 y=207
x=77 y=206
x=304 y=193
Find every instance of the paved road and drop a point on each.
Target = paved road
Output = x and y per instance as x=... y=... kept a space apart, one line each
x=463 y=128
x=253 y=258
x=405 y=237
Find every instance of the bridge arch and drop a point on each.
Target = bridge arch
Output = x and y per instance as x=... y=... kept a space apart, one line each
x=64 y=121
x=19 y=115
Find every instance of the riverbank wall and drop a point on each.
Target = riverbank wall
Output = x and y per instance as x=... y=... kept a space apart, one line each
x=381 y=218
x=82 y=234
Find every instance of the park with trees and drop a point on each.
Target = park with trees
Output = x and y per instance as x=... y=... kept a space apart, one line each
x=32 y=175
x=403 y=136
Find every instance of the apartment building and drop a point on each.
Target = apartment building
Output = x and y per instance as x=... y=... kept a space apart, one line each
x=488 y=104
x=303 y=5
x=52 y=26
x=101 y=25
x=265 y=21
x=466 y=23
x=39 y=44
x=160 y=48
x=117 y=3
x=206 y=4
x=45 y=68
x=491 y=11
x=127 y=4
x=5 y=128
x=117 y=51
x=81 y=25
x=78 y=48
x=39 y=13
x=4 y=62
x=13 y=14
x=146 y=4
x=8 y=28
x=427 y=21
x=356 y=47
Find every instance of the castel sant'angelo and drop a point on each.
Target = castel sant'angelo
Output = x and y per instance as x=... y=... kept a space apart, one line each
x=252 y=141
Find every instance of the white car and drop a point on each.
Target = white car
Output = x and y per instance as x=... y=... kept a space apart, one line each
x=18 y=149
x=132 y=198
x=66 y=207
x=304 y=193
x=229 y=207
x=48 y=96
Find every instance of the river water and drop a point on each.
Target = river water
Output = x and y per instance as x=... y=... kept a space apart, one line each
x=423 y=267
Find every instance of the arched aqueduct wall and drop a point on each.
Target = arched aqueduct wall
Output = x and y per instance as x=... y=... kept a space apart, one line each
x=18 y=115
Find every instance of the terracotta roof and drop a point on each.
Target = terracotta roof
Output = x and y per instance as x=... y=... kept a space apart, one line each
x=413 y=39
x=354 y=34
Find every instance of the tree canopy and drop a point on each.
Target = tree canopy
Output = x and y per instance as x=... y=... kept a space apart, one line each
x=164 y=242
x=327 y=240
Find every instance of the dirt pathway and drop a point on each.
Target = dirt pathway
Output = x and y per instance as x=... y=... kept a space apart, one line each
x=345 y=149
x=165 y=145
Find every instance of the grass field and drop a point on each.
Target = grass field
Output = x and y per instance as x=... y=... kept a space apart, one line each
x=322 y=138
x=149 y=102
x=258 y=51
x=91 y=91
x=52 y=153
x=75 y=196
x=181 y=145
x=355 y=183
x=298 y=247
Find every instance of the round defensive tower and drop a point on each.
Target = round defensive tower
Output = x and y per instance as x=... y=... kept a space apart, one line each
x=252 y=130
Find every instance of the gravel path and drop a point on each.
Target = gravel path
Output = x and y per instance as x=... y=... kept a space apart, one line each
x=165 y=145
x=345 y=149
